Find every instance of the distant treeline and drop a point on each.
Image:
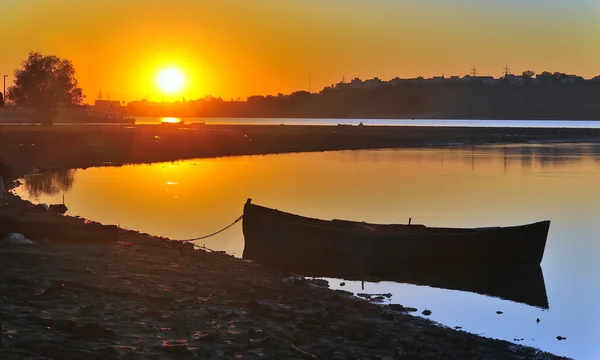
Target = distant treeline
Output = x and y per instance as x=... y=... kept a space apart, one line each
x=547 y=96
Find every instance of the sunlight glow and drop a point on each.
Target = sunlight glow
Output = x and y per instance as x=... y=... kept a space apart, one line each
x=170 y=120
x=170 y=80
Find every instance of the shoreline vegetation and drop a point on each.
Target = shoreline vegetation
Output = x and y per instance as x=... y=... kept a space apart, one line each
x=145 y=297
x=548 y=96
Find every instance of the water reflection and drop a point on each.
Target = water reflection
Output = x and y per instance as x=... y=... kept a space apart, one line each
x=522 y=284
x=49 y=183
x=543 y=156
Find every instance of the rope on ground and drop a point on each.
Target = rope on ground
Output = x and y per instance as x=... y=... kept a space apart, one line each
x=216 y=232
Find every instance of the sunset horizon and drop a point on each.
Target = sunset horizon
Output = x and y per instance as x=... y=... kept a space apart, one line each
x=235 y=49
x=283 y=179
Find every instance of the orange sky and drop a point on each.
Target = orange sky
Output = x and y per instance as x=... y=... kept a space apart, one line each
x=234 y=48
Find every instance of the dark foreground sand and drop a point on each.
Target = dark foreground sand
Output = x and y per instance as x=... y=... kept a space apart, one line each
x=142 y=297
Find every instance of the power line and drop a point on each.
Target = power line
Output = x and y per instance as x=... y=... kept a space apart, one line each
x=473 y=71
x=506 y=71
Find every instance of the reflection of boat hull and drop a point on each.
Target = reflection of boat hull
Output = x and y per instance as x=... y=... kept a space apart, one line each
x=276 y=238
x=523 y=284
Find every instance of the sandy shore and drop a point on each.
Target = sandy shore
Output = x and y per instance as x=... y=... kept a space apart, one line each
x=144 y=297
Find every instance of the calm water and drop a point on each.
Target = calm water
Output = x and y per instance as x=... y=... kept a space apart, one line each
x=469 y=187
x=585 y=124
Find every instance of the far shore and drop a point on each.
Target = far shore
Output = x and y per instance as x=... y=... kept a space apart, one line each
x=145 y=297
x=24 y=149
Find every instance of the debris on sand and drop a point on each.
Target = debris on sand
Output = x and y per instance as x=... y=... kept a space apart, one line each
x=374 y=297
x=18 y=239
x=205 y=336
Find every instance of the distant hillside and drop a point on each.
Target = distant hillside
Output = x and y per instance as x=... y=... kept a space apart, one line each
x=546 y=96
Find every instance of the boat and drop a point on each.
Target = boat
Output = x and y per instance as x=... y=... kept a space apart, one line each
x=295 y=243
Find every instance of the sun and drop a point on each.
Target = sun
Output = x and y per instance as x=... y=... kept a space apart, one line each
x=170 y=80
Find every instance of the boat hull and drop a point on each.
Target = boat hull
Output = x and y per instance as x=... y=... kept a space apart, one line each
x=292 y=242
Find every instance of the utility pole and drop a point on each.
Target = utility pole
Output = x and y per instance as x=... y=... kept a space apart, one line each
x=4 y=93
x=506 y=71
x=473 y=71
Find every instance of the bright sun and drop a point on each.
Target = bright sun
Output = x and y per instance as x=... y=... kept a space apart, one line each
x=170 y=80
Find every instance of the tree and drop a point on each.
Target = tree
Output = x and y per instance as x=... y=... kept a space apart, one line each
x=528 y=74
x=43 y=83
x=1 y=100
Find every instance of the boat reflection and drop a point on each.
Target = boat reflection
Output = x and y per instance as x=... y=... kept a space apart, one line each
x=522 y=284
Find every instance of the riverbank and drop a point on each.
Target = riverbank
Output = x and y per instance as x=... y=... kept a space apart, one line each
x=24 y=149
x=144 y=297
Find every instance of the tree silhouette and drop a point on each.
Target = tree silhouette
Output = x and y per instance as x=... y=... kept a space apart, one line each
x=1 y=100
x=44 y=82
x=528 y=74
x=49 y=183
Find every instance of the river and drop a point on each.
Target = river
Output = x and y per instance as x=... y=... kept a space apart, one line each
x=580 y=124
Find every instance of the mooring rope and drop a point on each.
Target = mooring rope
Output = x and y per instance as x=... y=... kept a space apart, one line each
x=215 y=233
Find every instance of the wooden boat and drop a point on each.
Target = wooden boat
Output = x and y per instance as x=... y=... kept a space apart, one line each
x=292 y=242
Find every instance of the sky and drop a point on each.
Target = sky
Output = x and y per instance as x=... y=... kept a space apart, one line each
x=238 y=48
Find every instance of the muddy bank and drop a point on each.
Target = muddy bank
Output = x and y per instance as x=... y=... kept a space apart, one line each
x=23 y=148
x=141 y=297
